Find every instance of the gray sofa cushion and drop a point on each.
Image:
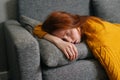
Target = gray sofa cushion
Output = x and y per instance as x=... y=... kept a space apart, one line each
x=107 y=9
x=22 y=53
x=39 y=9
x=28 y=23
x=52 y=57
x=80 y=70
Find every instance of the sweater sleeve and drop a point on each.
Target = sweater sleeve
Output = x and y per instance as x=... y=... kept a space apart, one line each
x=38 y=31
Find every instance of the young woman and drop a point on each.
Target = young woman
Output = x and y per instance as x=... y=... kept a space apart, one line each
x=64 y=30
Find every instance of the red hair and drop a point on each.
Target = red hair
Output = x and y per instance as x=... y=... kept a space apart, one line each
x=62 y=20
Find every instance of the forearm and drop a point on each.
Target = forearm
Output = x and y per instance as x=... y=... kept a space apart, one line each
x=51 y=38
x=67 y=48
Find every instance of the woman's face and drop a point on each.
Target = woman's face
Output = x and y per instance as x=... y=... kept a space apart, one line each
x=70 y=35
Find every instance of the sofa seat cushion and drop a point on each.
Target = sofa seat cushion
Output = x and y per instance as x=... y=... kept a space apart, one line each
x=107 y=9
x=80 y=70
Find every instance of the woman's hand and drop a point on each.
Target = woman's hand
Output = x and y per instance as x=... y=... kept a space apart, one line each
x=69 y=49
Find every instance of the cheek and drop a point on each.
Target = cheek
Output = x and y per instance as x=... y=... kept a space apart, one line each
x=77 y=34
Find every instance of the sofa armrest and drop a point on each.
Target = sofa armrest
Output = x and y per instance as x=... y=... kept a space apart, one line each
x=23 y=52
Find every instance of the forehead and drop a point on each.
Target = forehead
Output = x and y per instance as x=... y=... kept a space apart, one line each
x=60 y=33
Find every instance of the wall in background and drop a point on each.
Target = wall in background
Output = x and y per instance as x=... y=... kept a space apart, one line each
x=7 y=10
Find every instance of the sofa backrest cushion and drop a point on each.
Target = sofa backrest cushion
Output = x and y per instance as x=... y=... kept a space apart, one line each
x=107 y=9
x=39 y=9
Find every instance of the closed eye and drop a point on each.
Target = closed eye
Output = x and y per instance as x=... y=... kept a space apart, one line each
x=64 y=40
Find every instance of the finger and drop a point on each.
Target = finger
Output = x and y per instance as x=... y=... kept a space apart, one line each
x=66 y=54
x=70 y=53
x=76 y=51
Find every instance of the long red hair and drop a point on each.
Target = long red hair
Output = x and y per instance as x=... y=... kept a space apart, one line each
x=62 y=20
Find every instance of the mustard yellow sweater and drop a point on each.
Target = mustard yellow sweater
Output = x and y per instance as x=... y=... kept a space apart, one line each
x=103 y=38
x=38 y=31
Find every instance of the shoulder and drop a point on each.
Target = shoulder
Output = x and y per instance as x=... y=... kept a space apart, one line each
x=92 y=20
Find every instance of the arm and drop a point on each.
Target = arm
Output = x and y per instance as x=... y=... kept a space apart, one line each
x=23 y=53
x=67 y=48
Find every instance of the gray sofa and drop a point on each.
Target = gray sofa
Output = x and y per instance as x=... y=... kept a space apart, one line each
x=31 y=58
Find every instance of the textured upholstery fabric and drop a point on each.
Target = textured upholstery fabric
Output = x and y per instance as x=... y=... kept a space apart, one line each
x=80 y=70
x=52 y=57
x=105 y=45
x=107 y=9
x=23 y=53
x=28 y=23
x=39 y=9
